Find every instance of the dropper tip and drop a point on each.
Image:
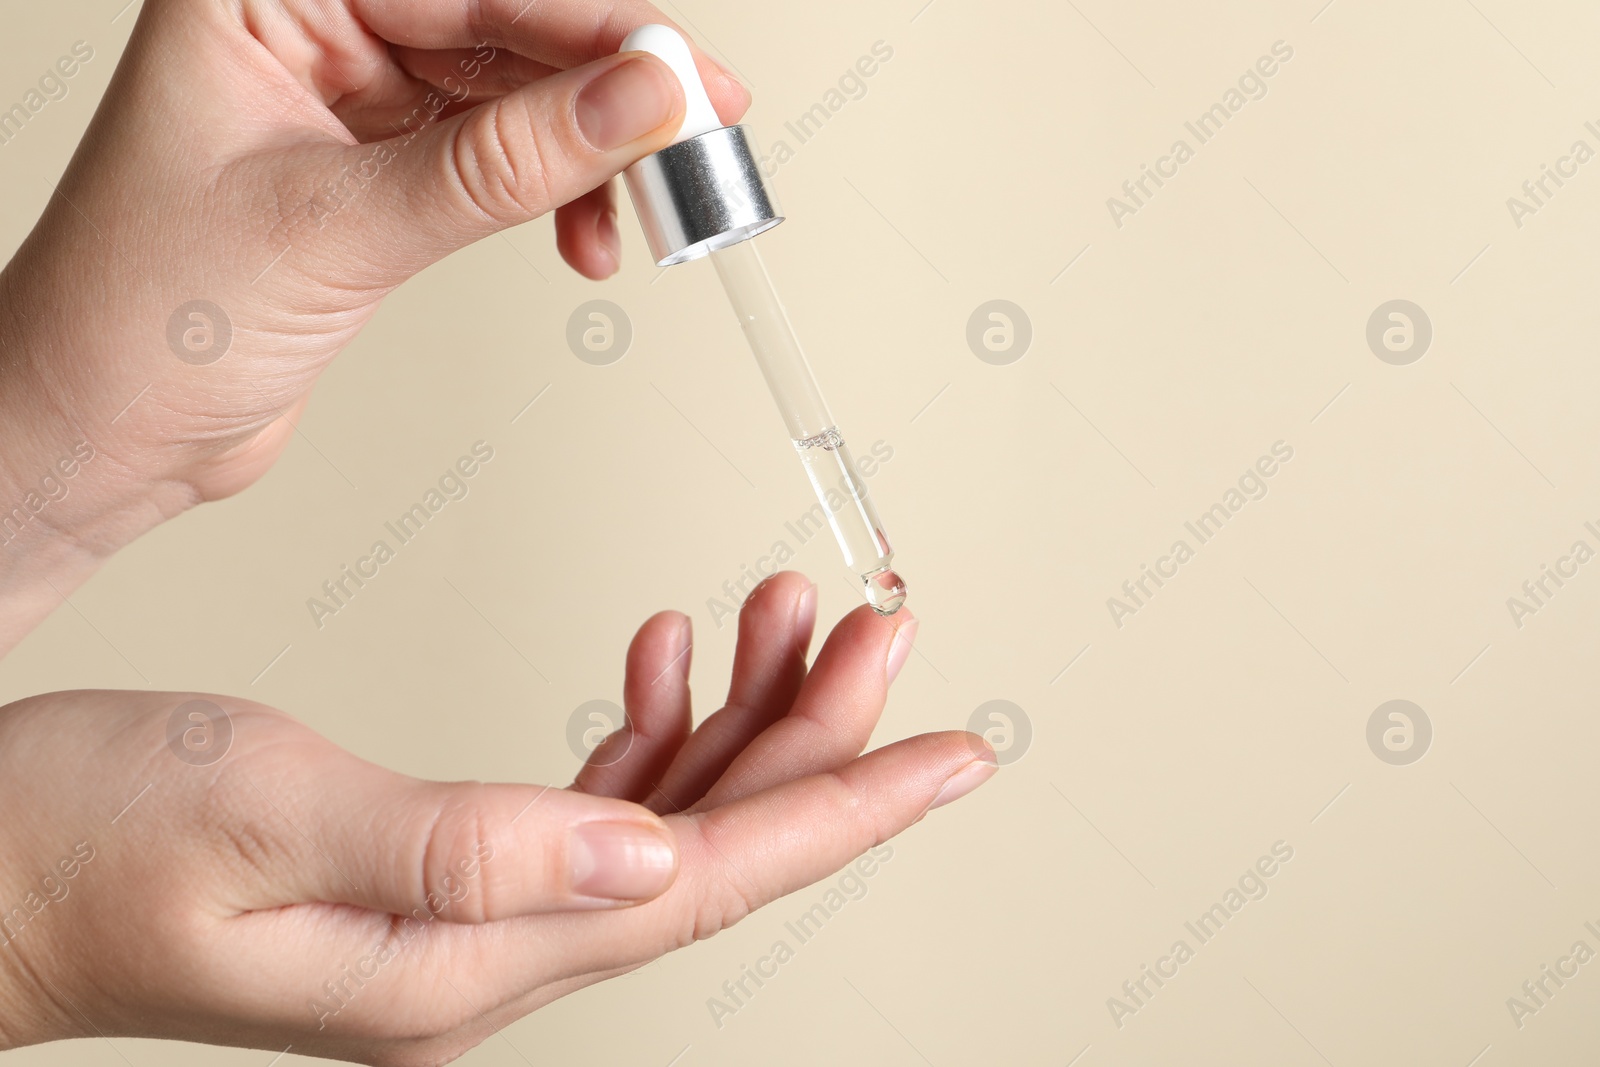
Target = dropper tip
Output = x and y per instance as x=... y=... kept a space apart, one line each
x=885 y=591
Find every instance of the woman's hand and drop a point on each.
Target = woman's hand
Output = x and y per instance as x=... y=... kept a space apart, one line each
x=218 y=872
x=260 y=174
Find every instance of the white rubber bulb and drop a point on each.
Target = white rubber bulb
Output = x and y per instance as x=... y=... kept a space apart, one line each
x=667 y=45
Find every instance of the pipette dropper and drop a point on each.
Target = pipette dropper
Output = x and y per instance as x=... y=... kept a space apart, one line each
x=705 y=195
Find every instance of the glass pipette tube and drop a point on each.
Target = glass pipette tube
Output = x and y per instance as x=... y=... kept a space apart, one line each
x=829 y=466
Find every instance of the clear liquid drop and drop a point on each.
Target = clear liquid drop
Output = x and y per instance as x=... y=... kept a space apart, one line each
x=885 y=591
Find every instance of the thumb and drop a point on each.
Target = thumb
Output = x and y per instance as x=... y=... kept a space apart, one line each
x=470 y=853
x=437 y=188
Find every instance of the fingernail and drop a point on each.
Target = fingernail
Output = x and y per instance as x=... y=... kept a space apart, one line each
x=621 y=861
x=900 y=648
x=626 y=102
x=805 y=612
x=605 y=228
x=964 y=781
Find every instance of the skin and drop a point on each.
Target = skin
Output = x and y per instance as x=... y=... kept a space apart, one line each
x=215 y=899
x=226 y=164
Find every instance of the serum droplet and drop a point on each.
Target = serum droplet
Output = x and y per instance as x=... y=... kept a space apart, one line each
x=885 y=591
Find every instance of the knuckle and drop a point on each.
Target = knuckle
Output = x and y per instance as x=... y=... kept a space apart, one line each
x=729 y=894
x=250 y=845
x=725 y=908
x=457 y=831
x=499 y=163
x=727 y=897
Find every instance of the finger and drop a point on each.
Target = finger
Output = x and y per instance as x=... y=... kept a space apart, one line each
x=655 y=695
x=769 y=665
x=769 y=662
x=560 y=35
x=460 y=852
x=833 y=716
x=438 y=85
x=503 y=163
x=748 y=853
x=339 y=61
x=587 y=235
x=475 y=74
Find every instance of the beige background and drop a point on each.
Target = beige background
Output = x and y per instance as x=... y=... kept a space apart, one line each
x=1230 y=713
